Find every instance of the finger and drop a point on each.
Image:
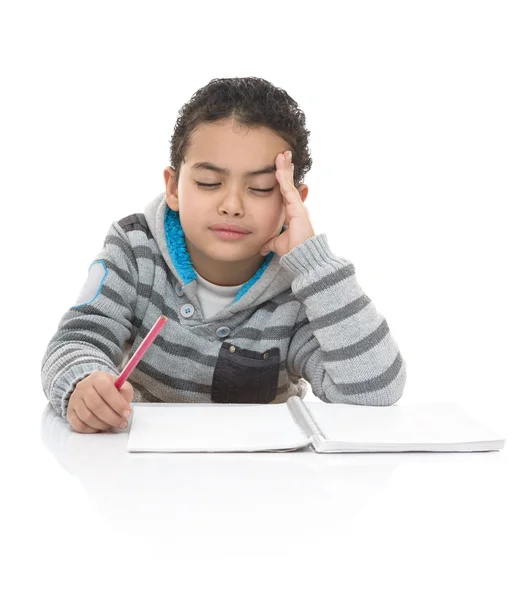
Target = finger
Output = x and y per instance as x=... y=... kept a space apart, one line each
x=79 y=425
x=101 y=409
x=283 y=164
x=289 y=168
x=286 y=181
x=88 y=417
x=127 y=391
x=116 y=402
x=268 y=247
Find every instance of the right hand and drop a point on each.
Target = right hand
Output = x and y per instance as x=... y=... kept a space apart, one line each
x=97 y=405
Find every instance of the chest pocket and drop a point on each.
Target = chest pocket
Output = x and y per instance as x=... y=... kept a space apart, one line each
x=244 y=376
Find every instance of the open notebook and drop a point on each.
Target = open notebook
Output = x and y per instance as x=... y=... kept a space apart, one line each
x=182 y=427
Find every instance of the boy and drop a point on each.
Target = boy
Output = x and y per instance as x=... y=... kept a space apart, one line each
x=257 y=303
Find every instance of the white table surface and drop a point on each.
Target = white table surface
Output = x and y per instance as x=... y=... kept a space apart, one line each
x=85 y=518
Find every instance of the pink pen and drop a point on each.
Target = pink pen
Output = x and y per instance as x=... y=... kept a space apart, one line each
x=139 y=353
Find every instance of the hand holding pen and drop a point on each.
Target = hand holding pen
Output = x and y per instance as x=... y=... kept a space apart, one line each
x=101 y=400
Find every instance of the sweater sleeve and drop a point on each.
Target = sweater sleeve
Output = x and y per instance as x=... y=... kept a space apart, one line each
x=343 y=348
x=92 y=334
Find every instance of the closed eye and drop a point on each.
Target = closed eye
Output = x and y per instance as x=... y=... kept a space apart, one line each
x=213 y=185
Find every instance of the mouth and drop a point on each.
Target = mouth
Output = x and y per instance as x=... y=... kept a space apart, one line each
x=229 y=232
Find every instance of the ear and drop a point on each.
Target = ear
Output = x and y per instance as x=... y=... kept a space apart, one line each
x=303 y=191
x=172 y=194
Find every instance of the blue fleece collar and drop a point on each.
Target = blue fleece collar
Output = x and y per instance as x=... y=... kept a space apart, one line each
x=181 y=258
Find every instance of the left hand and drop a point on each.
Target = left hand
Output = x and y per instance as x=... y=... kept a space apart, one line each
x=299 y=227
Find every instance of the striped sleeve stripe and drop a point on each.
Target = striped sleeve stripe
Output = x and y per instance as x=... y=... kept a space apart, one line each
x=88 y=325
x=79 y=353
x=364 y=345
x=374 y=384
x=136 y=222
x=341 y=314
x=123 y=247
x=325 y=283
x=114 y=296
x=80 y=336
x=121 y=273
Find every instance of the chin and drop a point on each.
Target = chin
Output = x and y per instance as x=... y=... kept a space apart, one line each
x=230 y=254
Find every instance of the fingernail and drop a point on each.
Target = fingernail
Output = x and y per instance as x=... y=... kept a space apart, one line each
x=126 y=413
x=123 y=425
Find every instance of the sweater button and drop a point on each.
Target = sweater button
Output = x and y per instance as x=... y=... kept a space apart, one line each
x=187 y=310
x=179 y=289
x=222 y=332
x=232 y=349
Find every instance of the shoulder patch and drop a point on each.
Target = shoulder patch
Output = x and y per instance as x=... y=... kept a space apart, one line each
x=91 y=289
x=136 y=222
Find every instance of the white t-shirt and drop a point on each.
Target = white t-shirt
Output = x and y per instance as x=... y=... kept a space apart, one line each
x=214 y=297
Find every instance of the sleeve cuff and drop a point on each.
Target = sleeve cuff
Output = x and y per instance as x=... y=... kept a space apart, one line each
x=311 y=255
x=65 y=385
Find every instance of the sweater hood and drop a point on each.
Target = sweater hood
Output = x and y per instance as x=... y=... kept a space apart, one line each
x=269 y=280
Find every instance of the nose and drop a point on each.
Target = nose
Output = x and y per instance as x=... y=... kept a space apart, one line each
x=232 y=202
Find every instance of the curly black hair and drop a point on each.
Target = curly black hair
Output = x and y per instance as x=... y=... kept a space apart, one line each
x=252 y=102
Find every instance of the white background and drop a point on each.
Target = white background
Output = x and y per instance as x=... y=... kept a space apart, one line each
x=418 y=129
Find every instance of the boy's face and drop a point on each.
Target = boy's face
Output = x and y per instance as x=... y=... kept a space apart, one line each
x=231 y=199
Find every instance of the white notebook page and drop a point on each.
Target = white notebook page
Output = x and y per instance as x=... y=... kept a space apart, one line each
x=439 y=422
x=213 y=427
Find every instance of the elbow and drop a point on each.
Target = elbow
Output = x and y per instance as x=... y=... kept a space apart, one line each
x=394 y=391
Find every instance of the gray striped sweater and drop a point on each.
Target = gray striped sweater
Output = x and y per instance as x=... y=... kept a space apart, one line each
x=301 y=318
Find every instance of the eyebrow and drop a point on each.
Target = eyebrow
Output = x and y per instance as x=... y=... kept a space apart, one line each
x=211 y=167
